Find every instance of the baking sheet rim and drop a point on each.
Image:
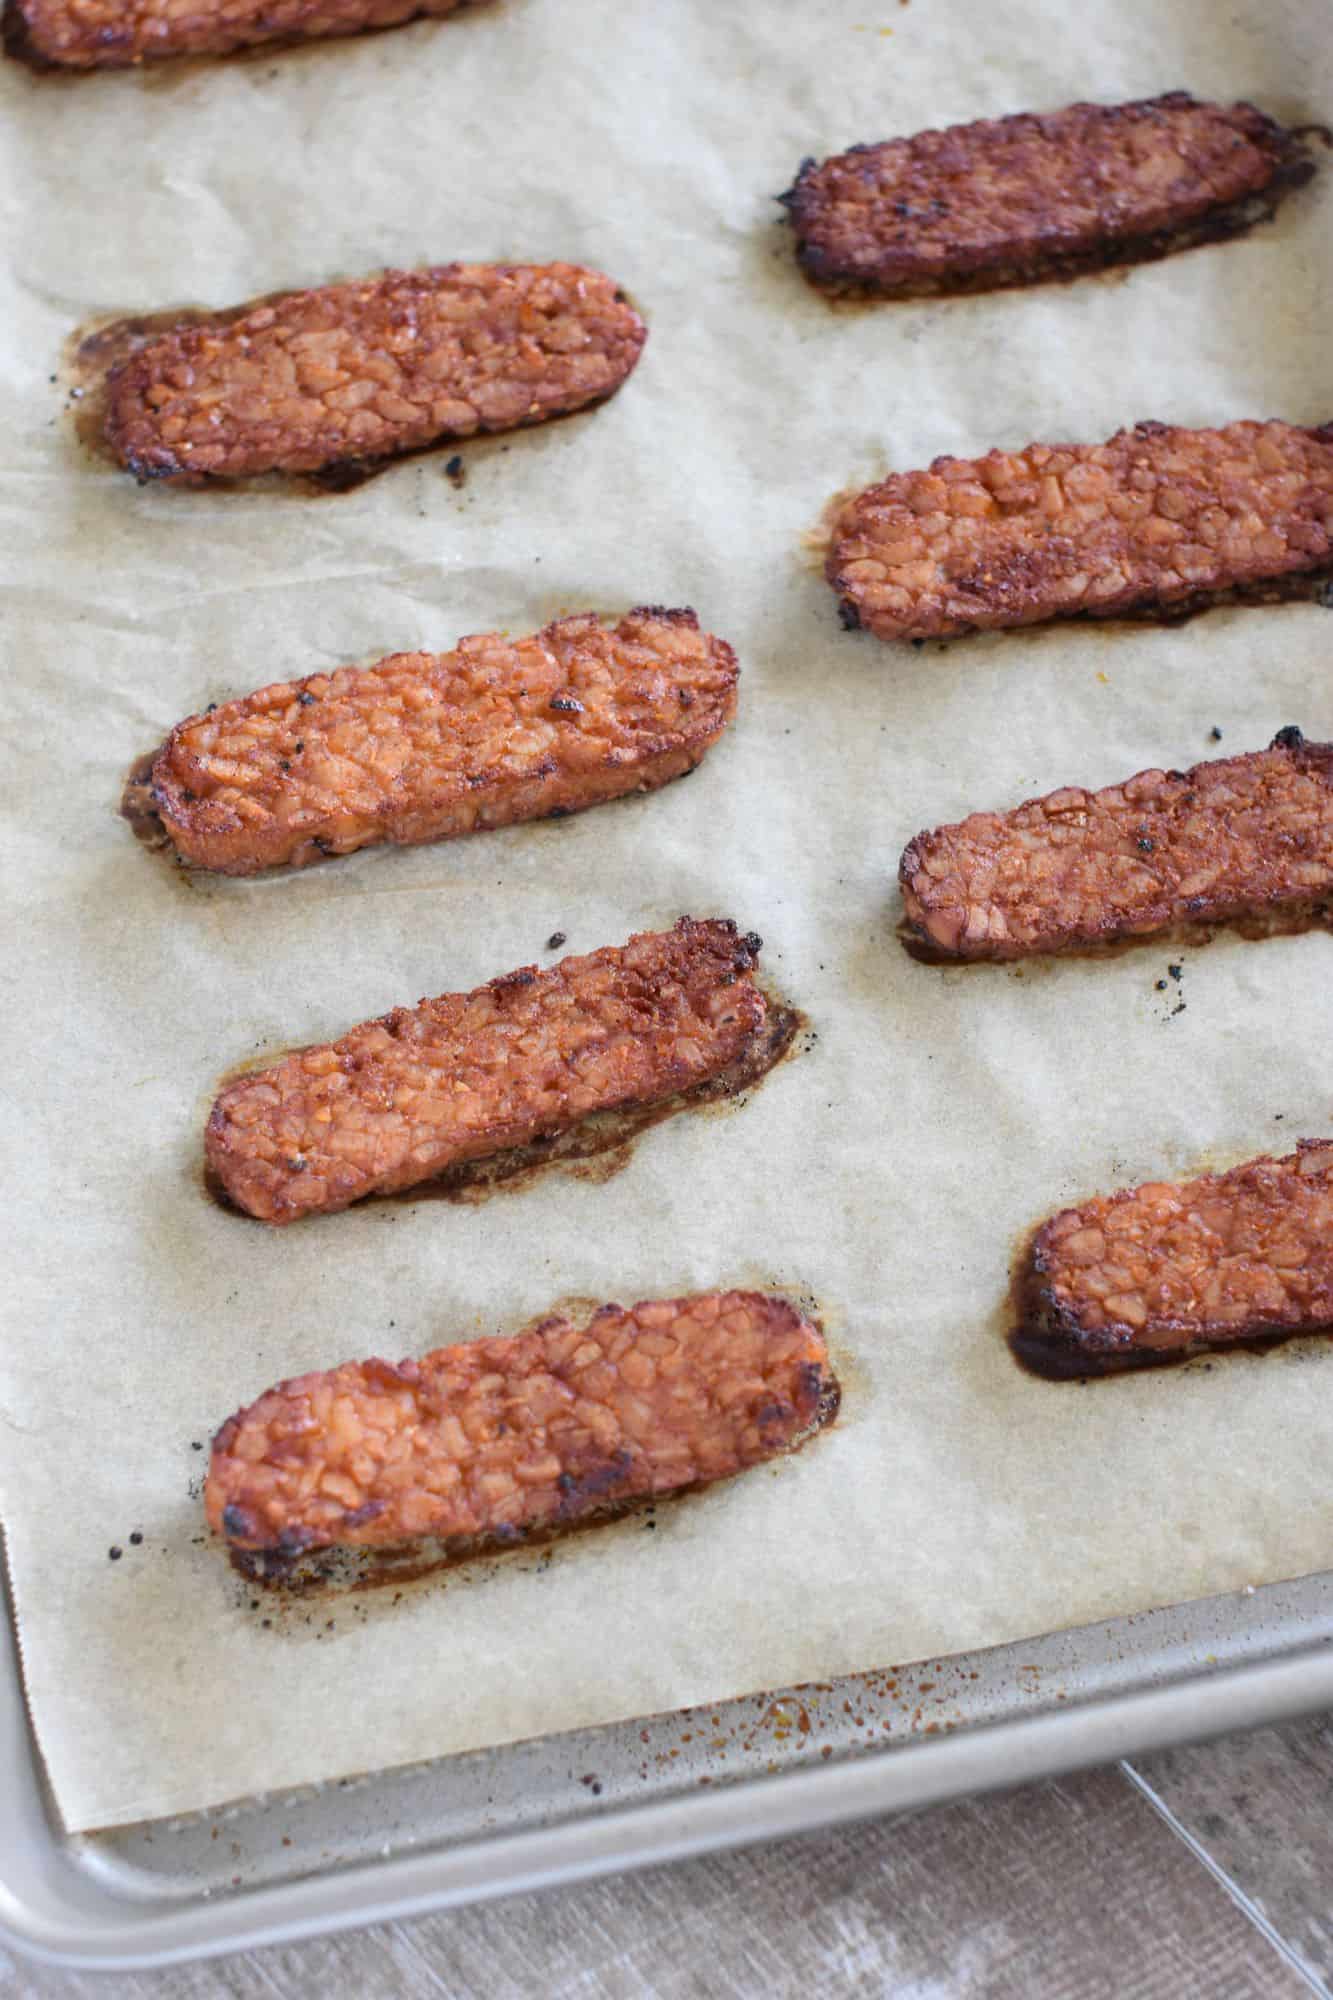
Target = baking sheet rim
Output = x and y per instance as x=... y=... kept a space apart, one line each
x=969 y=1759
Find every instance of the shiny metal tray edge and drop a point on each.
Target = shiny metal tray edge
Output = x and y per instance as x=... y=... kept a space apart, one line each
x=563 y=1808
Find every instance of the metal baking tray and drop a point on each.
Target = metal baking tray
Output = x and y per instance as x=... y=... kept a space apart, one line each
x=558 y=1808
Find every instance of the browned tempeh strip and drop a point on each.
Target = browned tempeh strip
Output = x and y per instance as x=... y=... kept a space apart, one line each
x=1158 y=1272
x=490 y=1439
x=1158 y=519
x=365 y=370
x=1010 y=201
x=425 y=746
x=398 y=1100
x=115 y=34
x=1235 y=837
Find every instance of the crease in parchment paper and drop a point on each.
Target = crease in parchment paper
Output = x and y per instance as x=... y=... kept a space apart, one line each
x=938 y=1113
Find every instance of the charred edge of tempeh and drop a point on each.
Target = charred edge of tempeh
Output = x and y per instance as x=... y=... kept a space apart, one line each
x=273 y=29
x=399 y=1101
x=947 y=919
x=419 y=746
x=16 y=39
x=1062 y=1338
x=1307 y=586
x=1291 y=166
x=320 y=381
x=1156 y=523
x=488 y=1442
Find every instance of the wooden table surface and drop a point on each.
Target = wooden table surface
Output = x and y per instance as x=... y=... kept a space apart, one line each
x=1204 y=1871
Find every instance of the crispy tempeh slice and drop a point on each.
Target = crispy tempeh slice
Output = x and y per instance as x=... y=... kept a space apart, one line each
x=1235 y=837
x=116 y=34
x=365 y=370
x=1158 y=519
x=489 y=1439
x=398 y=1100
x=1010 y=201
x=426 y=746
x=1156 y=1273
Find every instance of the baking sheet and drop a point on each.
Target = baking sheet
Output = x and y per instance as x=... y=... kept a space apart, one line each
x=891 y=1168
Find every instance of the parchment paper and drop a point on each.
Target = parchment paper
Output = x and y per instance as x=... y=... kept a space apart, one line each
x=891 y=1169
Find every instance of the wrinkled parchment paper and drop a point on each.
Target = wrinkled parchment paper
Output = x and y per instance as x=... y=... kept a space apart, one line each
x=892 y=1168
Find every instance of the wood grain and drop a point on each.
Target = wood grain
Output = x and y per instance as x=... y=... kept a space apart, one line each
x=1059 y=1891
x=1261 y=1806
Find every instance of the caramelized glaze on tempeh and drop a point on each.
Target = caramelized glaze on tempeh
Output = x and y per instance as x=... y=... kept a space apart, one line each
x=1236 y=837
x=1011 y=201
x=427 y=746
x=363 y=371
x=399 y=1100
x=488 y=1440
x=1159 y=520
x=117 y=34
x=1158 y=1272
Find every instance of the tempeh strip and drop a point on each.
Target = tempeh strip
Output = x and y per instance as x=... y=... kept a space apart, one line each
x=398 y=1100
x=1010 y=201
x=116 y=34
x=363 y=371
x=1156 y=1273
x=1158 y=520
x=1235 y=837
x=427 y=746
x=490 y=1439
